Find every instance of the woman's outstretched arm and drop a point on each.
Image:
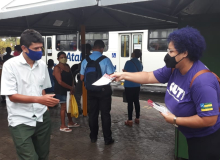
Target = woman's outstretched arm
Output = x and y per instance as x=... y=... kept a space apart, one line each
x=137 y=77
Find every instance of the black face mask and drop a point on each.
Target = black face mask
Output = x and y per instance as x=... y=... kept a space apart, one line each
x=171 y=61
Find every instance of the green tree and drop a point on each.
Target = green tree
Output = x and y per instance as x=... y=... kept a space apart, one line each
x=8 y=42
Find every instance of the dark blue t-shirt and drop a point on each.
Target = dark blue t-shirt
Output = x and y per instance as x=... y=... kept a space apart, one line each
x=133 y=65
x=203 y=98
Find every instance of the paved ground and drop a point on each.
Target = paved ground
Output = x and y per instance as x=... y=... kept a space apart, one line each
x=152 y=139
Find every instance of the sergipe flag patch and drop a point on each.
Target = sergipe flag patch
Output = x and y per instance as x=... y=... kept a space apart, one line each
x=206 y=106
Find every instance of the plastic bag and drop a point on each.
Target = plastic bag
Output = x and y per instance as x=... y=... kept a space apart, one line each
x=68 y=102
x=73 y=107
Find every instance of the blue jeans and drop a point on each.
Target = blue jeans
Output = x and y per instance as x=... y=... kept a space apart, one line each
x=61 y=97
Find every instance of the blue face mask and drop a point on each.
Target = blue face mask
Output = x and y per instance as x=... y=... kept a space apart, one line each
x=34 y=55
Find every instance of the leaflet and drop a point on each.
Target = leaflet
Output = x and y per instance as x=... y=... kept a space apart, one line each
x=157 y=106
x=104 y=80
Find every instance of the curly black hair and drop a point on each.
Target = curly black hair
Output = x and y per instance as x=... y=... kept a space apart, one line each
x=188 y=39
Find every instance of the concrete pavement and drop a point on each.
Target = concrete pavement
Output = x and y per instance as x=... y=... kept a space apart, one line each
x=152 y=139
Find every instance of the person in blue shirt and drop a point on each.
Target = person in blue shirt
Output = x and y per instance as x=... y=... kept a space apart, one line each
x=100 y=100
x=50 y=71
x=132 y=89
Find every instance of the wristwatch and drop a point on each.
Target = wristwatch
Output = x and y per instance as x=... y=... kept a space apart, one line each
x=174 y=121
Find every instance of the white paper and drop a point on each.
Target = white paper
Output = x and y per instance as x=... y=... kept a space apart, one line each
x=160 y=108
x=104 y=80
x=137 y=46
x=49 y=50
x=157 y=106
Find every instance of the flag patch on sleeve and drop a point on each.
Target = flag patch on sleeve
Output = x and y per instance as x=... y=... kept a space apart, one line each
x=206 y=106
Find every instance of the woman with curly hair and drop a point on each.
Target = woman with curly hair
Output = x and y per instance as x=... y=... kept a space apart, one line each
x=194 y=107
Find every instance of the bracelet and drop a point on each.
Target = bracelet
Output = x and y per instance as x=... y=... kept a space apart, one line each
x=174 y=121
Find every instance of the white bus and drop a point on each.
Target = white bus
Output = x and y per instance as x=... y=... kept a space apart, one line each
x=119 y=46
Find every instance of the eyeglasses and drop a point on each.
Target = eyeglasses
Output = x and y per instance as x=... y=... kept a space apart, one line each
x=170 y=51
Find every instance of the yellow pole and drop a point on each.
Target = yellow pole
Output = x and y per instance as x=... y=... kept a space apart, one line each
x=84 y=91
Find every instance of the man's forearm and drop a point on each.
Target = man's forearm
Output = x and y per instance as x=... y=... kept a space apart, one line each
x=19 y=98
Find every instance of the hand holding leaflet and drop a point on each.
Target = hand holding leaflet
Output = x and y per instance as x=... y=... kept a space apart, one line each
x=157 y=106
x=160 y=108
x=104 y=80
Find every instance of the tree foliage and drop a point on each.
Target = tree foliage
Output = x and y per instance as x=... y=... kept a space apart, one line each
x=9 y=42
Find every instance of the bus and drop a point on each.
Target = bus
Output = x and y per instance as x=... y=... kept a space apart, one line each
x=118 y=47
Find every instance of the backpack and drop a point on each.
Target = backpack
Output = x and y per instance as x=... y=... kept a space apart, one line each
x=93 y=73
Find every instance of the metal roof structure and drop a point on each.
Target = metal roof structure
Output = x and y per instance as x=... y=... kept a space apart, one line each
x=114 y=2
x=51 y=17
x=19 y=8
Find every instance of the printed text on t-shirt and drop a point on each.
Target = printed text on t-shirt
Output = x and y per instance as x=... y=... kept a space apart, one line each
x=176 y=92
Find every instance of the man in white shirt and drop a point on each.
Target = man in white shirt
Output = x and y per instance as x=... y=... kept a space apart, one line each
x=24 y=79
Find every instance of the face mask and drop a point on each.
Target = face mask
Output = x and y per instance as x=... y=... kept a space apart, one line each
x=171 y=61
x=63 y=60
x=34 y=55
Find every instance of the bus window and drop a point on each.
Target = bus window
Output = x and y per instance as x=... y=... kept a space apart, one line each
x=91 y=37
x=157 y=39
x=137 y=41
x=125 y=45
x=49 y=46
x=66 y=42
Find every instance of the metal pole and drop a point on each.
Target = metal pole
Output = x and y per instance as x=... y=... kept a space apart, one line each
x=83 y=49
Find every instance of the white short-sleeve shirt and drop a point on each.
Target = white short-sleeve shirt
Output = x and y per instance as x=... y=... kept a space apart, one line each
x=19 y=78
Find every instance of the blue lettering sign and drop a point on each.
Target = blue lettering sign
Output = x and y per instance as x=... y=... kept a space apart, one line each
x=74 y=57
x=77 y=58
x=113 y=55
x=69 y=57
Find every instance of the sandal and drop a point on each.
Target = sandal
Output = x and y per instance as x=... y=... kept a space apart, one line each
x=73 y=125
x=137 y=121
x=128 y=123
x=65 y=129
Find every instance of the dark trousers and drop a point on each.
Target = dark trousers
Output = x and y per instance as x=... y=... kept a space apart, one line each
x=132 y=96
x=78 y=94
x=204 y=148
x=32 y=143
x=100 y=101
